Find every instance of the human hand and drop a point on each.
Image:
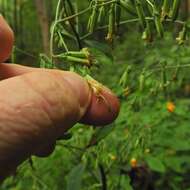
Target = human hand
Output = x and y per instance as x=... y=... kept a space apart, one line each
x=39 y=105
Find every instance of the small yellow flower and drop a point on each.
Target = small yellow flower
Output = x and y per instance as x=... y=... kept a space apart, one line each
x=170 y=106
x=112 y=157
x=133 y=162
x=147 y=150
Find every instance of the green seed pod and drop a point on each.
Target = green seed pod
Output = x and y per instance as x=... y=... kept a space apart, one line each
x=89 y=23
x=84 y=53
x=158 y=23
x=101 y=15
x=81 y=61
x=93 y=18
x=117 y=14
x=140 y=12
x=182 y=35
x=165 y=10
x=111 y=24
x=149 y=9
x=147 y=34
x=124 y=78
x=78 y=54
x=175 y=9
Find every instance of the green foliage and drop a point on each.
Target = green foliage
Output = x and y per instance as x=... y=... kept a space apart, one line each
x=75 y=177
x=146 y=75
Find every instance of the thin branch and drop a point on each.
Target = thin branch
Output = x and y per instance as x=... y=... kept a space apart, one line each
x=53 y=28
x=103 y=177
x=149 y=2
x=63 y=42
x=72 y=26
x=24 y=52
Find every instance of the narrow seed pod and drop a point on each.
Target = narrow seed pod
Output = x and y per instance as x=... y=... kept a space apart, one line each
x=101 y=15
x=124 y=78
x=175 y=9
x=89 y=23
x=78 y=60
x=149 y=9
x=182 y=35
x=117 y=14
x=128 y=7
x=111 y=24
x=158 y=23
x=93 y=18
x=165 y=10
x=78 y=54
x=140 y=13
x=83 y=53
x=147 y=34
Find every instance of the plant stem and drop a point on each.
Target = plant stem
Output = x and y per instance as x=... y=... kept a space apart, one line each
x=63 y=42
x=53 y=28
x=150 y=3
x=72 y=25
x=103 y=177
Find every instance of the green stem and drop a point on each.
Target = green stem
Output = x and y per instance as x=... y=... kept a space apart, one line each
x=150 y=3
x=72 y=25
x=53 y=28
x=63 y=42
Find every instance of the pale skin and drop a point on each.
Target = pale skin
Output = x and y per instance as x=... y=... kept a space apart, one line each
x=37 y=107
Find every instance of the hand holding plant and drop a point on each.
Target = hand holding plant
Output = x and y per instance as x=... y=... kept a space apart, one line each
x=39 y=105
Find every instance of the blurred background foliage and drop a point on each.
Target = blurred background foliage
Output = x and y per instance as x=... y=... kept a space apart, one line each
x=148 y=146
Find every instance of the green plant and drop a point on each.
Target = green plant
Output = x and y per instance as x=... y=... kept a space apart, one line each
x=129 y=46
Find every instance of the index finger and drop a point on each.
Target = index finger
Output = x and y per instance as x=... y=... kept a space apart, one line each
x=6 y=39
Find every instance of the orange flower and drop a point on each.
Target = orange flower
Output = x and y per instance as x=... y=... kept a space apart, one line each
x=170 y=106
x=133 y=162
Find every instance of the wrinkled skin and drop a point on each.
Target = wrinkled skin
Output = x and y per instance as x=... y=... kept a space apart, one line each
x=39 y=105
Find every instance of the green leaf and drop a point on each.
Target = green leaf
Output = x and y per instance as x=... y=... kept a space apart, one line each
x=45 y=62
x=100 y=56
x=100 y=133
x=155 y=164
x=101 y=48
x=125 y=182
x=74 y=181
x=174 y=163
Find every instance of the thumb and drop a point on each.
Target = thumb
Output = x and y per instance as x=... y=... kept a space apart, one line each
x=36 y=108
